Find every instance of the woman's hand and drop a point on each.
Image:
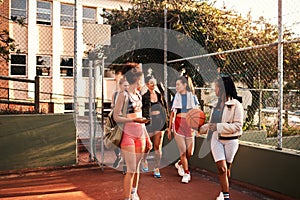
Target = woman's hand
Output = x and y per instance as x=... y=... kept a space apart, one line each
x=169 y=132
x=213 y=126
x=148 y=145
x=198 y=134
x=141 y=120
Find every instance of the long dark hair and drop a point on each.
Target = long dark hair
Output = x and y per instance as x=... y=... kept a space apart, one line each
x=188 y=81
x=227 y=87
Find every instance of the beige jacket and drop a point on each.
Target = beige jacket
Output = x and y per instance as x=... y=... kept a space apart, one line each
x=232 y=120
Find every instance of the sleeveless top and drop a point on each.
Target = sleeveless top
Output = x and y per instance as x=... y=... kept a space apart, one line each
x=134 y=105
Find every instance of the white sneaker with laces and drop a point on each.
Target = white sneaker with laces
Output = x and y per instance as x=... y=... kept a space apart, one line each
x=186 y=178
x=220 y=197
x=180 y=169
x=135 y=196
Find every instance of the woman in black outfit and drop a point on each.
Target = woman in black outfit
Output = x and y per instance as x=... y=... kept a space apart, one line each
x=154 y=108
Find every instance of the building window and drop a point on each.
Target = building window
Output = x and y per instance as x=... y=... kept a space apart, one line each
x=18 y=9
x=67 y=15
x=89 y=15
x=87 y=108
x=66 y=67
x=43 y=12
x=68 y=108
x=18 y=65
x=43 y=65
x=85 y=68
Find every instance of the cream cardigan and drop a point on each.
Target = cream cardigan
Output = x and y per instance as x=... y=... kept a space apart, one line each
x=232 y=120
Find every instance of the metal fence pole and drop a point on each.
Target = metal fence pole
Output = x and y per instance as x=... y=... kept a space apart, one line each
x=102 y=114
x=75 y=82
x=165 y=56
x=91 y=110
x=37 y=94
x=280 y=75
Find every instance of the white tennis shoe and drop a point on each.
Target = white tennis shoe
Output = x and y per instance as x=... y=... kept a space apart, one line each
x=180 y=169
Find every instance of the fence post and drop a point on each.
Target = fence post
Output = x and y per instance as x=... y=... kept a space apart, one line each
x=37 y=94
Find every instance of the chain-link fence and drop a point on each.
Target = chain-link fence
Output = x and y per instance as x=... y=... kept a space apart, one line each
x=72 y=48
x=236 y=39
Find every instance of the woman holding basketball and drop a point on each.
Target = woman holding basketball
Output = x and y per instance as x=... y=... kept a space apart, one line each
x=225 y=127
x=183 y=101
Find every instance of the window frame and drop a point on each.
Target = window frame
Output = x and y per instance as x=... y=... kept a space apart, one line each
x=86 y=69
x=66 y=67
x=68 y=110
x=87 y=107
x=43 y=66
x=89 y=20
x=17 y=65
x=42 y=21
x=68 y=24
x=19 y=10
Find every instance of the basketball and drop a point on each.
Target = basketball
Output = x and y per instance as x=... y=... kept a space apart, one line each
x=195 y=118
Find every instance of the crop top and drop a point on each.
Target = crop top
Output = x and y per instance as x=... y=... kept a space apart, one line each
x=184 y=104
x=134 y=105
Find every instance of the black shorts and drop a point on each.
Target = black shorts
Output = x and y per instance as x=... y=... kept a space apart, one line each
x=157 y=123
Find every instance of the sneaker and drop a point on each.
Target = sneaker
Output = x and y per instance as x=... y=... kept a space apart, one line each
x=145 y=166
x=135 y=196
x=117 y=162
x=220 y=197
x=156 y=173
x=186 y=178
x=180 y=169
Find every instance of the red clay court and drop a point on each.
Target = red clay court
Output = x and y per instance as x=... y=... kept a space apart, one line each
x=87 y=182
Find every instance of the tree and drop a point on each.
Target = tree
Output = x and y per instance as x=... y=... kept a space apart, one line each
x=7 y=44
x=216 y=30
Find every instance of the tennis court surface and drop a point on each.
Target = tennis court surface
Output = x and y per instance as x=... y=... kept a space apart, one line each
x=88 y=181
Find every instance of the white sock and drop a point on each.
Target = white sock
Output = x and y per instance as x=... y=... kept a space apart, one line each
x=134 y=190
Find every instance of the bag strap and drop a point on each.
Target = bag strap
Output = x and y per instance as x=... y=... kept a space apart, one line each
x=125 y=106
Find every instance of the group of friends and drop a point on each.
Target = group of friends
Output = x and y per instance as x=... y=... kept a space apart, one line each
x=148 y=118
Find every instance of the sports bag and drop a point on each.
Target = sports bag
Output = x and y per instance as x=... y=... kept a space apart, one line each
x=113 y=130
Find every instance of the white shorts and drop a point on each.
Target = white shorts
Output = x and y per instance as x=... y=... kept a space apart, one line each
x=223 y=149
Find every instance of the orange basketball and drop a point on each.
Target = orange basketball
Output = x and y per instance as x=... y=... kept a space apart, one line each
x=195 y=118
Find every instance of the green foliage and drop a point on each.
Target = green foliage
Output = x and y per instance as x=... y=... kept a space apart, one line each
x=286 y=131
x=217 y=31
x=214 y=29
x=7 y=45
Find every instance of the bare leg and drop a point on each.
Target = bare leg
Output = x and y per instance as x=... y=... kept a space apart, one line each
x=139 y=155
x=190 y=144
x=182 y=150
x=228 y=170
x=144 y=158
x=157 y=144
x=223 y=175
x=130 y=158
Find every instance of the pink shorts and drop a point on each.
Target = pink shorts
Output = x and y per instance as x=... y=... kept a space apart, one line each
x=133 y=135
x=182 y=128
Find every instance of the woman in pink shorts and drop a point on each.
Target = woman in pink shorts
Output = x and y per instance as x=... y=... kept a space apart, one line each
x=135 y=138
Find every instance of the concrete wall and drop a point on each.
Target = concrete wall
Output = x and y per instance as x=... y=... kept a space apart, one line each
x=261 y=166
x=32 y=141
x=255 y=164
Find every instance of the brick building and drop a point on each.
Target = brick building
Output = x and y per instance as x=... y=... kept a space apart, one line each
x=46 y=45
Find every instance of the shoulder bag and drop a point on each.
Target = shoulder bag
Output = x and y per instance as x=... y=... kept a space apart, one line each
x=113 y=130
